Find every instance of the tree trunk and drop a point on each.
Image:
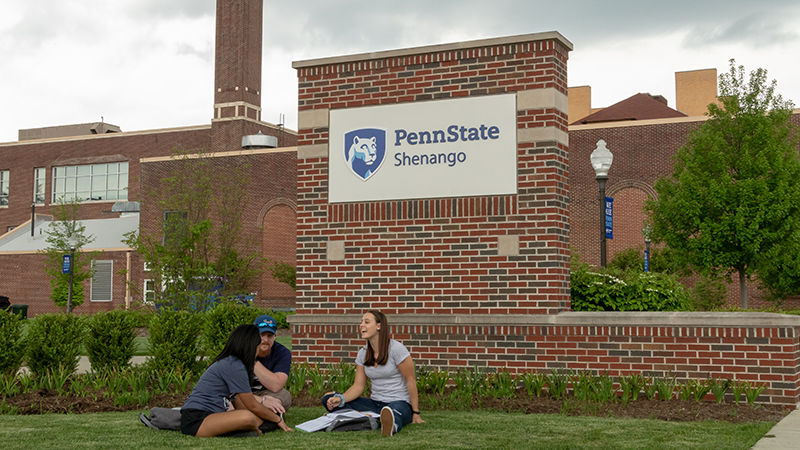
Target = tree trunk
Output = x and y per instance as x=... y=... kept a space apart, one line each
x=742 y=288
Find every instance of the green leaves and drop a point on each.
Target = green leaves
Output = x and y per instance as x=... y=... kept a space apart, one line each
x=612 y=290
x=733 y=201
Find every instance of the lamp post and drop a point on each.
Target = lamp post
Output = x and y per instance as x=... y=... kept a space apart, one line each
x=646 y=234
x=601 y=159
x=71 y=271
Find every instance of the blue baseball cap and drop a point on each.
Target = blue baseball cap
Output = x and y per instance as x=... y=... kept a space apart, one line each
x=266 y=324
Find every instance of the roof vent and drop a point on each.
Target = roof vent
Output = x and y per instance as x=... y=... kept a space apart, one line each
x=259 y=141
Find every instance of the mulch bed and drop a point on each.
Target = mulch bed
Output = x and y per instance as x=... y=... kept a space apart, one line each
x=48 y=401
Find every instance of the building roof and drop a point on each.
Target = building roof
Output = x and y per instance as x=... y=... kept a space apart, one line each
x=108 y=234
x=637 y=107
x=78 y=129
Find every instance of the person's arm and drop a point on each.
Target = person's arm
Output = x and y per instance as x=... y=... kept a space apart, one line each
x=272 y=381
x=246 y=400
x=406 y=368
x=353 y=392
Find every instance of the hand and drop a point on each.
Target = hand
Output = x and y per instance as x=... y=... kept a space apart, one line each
x=416 y=418
x=273 y=404
x=282 y=425
x=333 y=402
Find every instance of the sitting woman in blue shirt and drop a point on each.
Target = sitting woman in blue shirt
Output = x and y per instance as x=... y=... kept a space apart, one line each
x=227 y=382
x=389 y=367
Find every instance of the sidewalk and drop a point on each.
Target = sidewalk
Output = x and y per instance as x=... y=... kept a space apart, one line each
x=84 y=366
x=784 y=435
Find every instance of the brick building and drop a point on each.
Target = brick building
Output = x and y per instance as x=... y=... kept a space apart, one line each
x=101 y=165
x=471 y=265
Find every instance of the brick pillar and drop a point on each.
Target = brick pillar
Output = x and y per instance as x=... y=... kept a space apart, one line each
x=471 y=259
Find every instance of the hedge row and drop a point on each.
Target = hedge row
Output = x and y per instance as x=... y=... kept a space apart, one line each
x=179 y=340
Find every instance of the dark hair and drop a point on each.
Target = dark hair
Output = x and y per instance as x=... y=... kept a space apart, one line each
x=383 y=341
x=242 y=343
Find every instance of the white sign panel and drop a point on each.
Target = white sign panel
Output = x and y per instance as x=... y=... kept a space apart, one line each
x=446 y=148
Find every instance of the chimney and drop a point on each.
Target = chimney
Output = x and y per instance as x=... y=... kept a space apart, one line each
x=694 y=90
x=237 y=60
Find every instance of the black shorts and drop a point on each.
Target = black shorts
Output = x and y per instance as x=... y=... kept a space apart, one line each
x=191 y=419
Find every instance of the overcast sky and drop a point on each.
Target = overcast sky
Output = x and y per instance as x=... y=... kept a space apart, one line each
x=144 y=64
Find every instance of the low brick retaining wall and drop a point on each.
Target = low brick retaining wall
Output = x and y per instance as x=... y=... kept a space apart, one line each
x=761 y=348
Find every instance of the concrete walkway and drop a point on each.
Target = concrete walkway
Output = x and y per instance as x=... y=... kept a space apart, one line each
x=84 y=366
x=785 y=434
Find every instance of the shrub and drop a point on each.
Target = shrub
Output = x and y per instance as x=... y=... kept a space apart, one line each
x=12 y=346
x=280 y=317
x=174 y=340
x=53 y=342
x=110 y=339
x=612 y=290
x=221 y=320
x=628 y=260
x=708 y=293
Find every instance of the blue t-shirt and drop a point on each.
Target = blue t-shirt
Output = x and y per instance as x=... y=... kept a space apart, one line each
x=278 y=360
x=223 y=378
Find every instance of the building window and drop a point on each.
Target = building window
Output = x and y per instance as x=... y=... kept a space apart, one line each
x=91 y=182
x=4 y=187
x=10 y=228
x=149 y=292
x=102 y=280
x=38 y=185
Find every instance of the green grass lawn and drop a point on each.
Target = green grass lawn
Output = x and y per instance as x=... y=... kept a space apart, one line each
x=443 y=429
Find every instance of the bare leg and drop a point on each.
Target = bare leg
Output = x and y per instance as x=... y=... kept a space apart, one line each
x=225 y=422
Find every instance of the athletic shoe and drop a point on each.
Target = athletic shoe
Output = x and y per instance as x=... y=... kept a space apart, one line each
x=387 y=421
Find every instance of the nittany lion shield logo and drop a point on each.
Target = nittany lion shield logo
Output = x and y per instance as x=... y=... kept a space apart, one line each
x=364 y=151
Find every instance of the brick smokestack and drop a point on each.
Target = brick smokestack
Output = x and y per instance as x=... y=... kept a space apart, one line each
x=237 y=65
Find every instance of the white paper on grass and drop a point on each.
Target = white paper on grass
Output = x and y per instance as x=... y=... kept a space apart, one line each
x=322 y=422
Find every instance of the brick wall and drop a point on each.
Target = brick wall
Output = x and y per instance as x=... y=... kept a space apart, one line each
x=22 y=157
x=759 y=348
x=25 y=282
x=269 y=176
x=643 y=153
x=438 y=255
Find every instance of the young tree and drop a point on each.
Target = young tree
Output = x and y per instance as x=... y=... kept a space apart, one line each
x=733 y=200
x=196 y=255
x=64 y=234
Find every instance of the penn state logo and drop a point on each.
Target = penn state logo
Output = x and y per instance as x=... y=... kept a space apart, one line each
x=364 y=151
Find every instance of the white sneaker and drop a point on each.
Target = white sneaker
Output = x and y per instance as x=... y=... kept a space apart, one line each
x=387 y=421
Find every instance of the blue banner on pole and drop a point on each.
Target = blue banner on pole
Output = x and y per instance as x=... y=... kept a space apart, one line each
x=609 y=218
x=647 y=260
x=66 y=264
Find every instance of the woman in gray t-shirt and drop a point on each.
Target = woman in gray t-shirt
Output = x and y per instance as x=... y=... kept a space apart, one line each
x=227 y=380
x=388 y=365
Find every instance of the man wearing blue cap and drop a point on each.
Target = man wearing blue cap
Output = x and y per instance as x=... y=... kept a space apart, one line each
x=273 y=362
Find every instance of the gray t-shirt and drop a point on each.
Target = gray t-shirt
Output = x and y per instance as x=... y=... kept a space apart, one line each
x=388 y=384
x=223 y=378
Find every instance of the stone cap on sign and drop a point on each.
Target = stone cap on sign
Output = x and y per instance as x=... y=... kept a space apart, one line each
x=572 y=318
x=531 y=37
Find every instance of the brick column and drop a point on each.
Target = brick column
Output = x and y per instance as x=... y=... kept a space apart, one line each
x=493 y=255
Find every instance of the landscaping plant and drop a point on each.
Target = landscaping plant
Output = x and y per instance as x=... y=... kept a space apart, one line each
x=221 y=320
x=12 y=347
x=174 y=341
x=53 y=341
x=110 y=339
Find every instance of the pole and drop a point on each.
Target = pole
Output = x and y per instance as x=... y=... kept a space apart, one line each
x=647 y=255
x=71 y=271
x=601 y=181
